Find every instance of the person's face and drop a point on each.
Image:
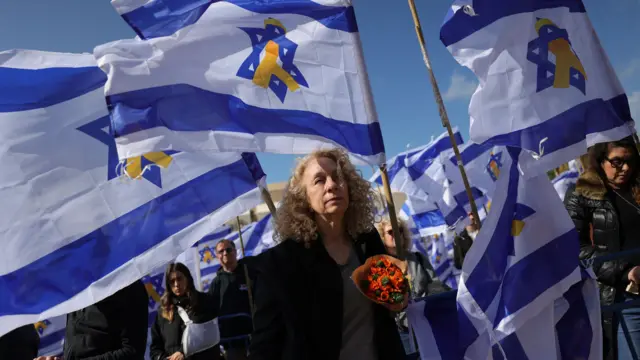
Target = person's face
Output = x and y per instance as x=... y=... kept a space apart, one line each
x=178 y=283
x=226 y=253
x=618 y=166
x=327 y=193
x=388 y=239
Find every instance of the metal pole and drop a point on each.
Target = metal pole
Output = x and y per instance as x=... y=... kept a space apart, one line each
x=400 y=250
x=443 y=112
x=246 y=270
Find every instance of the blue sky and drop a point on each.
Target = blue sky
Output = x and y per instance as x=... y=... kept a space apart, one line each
x=401 y=88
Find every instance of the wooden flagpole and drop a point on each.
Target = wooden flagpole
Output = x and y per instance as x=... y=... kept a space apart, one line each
x=246 y=270
x=442 y=110
x=400 y=247
x=266 y=197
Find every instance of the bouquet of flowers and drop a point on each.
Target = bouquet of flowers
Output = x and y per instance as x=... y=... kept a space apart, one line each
x=381 y=279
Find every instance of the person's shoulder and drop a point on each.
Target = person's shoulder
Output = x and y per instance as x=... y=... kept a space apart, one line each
x=372 y=242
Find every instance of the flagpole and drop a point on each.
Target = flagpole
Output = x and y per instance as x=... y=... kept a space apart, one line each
x=266 y=197
x=442 y=110
x=400 y=247
x=246 y=270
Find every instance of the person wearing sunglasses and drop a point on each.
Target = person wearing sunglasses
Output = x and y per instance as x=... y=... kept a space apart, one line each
x=231 y=297
x=605 y=208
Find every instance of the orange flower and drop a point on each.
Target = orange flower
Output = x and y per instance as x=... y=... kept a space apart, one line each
x=384 y=296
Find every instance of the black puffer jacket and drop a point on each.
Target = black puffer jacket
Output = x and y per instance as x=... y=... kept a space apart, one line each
x=596 y=220
x=166 y=336
x=20 y=344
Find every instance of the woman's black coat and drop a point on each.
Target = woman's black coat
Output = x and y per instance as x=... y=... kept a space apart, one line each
x=299 y=304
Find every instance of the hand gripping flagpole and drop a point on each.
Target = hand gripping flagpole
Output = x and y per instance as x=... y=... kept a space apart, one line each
x=442 y=110
x=246 y=270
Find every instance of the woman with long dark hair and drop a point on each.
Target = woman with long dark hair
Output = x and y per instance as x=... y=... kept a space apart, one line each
x=605 y=207
x=167 y=331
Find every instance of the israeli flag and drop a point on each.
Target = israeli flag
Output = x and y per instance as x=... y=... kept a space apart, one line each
x=426 y=216
x=274 y=76
x=482 y=164
x=546 y=84
x=566 y=179
x=412 y=171
x=570 y=328
x=74 y=230
x=257 y=237
x=51 y=332
x=440 y=251
x=524 y=258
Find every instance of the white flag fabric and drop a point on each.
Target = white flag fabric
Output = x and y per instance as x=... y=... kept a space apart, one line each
x=274 y=76
x=566 y=179
x=51 y=332
x=411 y=171
x=546 y=84
x=75 y=231
x=524 y=258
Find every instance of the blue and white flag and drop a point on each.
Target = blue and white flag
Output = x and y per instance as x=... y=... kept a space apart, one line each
x=51 y=332
x=482 y=164
x=411 y=171
x=273 y=76
x=74 y=231
x=524 y=258
x=257 y=237
x=566 y=179
x=425 y=215
x=570 y=328
x=440 y=252
x=546 y=84
x=521 y=287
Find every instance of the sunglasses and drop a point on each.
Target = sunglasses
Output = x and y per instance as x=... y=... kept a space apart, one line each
x=390 y=232
x=228 y=250
x=618 y=163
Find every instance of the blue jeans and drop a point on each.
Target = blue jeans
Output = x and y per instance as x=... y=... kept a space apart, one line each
x=629 y=332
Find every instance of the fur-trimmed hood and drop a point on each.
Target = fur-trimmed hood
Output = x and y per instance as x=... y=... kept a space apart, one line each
x=591 y=186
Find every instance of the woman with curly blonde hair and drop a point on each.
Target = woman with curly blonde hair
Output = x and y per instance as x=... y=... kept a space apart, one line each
x=306 y=306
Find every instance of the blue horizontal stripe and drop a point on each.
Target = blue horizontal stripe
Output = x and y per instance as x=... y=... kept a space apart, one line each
x=486 y=277
x=163 y=18
x=188 y=108
x=428 y=219
x=256 y=235
x=570 y=127
x=209 y=270
x=65 y=272
x=527 y=279
x=219 y=234
x=471 y=152
x=461 y=25
x=429 y=155
x=54 y=337
x=26 y=89
x=567 y=175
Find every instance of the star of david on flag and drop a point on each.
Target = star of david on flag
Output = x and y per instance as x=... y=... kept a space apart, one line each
x=546 y=84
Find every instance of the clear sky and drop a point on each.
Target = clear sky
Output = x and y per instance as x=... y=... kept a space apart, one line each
x=401 y=88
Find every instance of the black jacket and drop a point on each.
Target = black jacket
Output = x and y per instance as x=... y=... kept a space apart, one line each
x=461 y=245
x=596 y=220
x=230 y=295
x=166 y=336
x=299 y=304
x=20 y=344
x=112 y=329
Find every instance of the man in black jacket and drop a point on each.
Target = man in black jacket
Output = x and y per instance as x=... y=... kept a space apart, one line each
x=112 y=329
x=462 y=243
x=20 y=344
x=230 y=293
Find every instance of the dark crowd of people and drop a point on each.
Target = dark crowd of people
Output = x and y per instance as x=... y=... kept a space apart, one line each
x=297 y=301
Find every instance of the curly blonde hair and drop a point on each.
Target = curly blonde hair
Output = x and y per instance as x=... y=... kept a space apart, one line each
x=404 y=228
x=294 y=218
